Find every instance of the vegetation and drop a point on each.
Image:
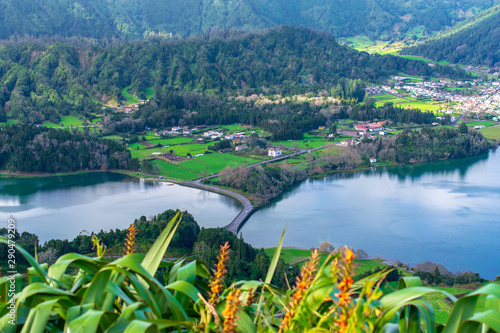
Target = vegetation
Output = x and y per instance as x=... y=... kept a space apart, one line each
x=138 y=19
x=28 y=148
x=127 y=294
x=40 y=82
x=428 y=144
x=474 y=42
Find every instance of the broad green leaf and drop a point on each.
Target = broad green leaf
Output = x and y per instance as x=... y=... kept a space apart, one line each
x=38 y=317
x=155 y=254
x=86 y=323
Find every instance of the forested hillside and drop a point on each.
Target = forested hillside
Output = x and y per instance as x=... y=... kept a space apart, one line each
x=40 y=82
x=475 y=42
x=180 y=18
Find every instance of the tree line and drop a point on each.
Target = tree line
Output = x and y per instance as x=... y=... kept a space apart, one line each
x=28 y=148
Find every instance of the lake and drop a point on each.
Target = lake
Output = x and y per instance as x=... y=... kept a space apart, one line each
x=62 y=207
x=447 y=212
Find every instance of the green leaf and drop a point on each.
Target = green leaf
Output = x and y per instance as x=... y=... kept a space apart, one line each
x=38 y=317
x=153 y=258
x=86 y=323
x=276 y=258
x=38 y=269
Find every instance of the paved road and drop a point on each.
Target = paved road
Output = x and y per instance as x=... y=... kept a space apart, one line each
x=248 y=208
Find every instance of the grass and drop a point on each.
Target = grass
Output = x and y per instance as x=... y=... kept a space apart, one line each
x=310 y=143
x=484 y=123
x=130 y=99
x=216 y=161
x=50 y=124
x=70 y=121
x=441 y=307
x=421 y=105
x=175 y=171
x=290 y=255
x=150 y=92
x=113 y=137
x=492 y=133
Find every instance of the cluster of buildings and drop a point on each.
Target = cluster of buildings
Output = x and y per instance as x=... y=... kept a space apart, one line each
x=486 y=97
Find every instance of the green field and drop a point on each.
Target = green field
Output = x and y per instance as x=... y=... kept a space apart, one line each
x=50 y=124
x=150 y=92
x=113 y=137
x=484 y=123
x=216 y=161
x=492 y=133
x=131 y=99
x=290 y=255
x=70 y=121
x=175 y=171
x=420 y=105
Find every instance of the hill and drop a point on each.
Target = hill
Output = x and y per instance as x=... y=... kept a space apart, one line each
x=474 y=42
x=41 y=82
x=138 y=18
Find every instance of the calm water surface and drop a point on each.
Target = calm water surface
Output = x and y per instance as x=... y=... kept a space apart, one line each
x=61 y=207
x=446 y=212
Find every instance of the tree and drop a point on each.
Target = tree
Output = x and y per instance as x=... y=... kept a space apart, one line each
x=462 y=128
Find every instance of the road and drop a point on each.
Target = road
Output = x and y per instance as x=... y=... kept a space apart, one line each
x=248 y=208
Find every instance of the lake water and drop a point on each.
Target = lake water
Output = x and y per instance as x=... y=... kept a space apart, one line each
x=446 y=212
x=61 y=207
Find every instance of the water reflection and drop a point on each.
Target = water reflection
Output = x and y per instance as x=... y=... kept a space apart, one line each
x=444 y=212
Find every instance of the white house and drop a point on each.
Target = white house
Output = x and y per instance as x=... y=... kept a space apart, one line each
x=479 y=126
x=373 y=160
x=229 y=137
x=274 y=152
x=240 y=148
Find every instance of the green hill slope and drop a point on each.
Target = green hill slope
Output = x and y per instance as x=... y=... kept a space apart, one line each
x=39 y=82
x=138 y=18
x=475 y=41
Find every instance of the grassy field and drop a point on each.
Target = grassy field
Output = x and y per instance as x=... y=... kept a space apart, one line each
x=131 y=99
x=175 y=171
x=70 y=121
x=113 y=137
x=492 y=133
x=484 y=123
x=290 y=255
x=216 y=162
x=421 y=105
x=150 y=92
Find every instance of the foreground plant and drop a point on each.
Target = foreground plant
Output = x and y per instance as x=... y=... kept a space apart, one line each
x=83 y=294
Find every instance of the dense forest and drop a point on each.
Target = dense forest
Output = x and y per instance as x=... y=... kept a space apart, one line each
x=474 y=43
x=176 y=18
x=28 y=148
x=40 y=82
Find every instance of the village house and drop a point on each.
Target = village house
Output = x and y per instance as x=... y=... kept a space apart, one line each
x=274 y=152
x=240 y=148
x=213 y=134
x=373 y=160
x=226 y=150
x=187 y=132
x=229 y=137
x=342 y=131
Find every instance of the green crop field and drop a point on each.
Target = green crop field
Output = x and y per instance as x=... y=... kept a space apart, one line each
x=146 y=153
x=491 y=132
x=70 y=121
x=171 y=170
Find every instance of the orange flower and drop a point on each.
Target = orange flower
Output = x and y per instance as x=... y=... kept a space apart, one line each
x=217 y=281
x=349 y=255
